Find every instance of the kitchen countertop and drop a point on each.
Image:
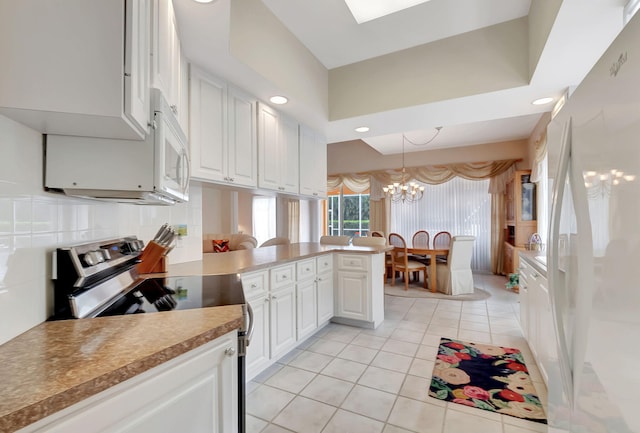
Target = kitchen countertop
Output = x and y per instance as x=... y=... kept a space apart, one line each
x=238 y=261
x=57 y=364
x=537 y=259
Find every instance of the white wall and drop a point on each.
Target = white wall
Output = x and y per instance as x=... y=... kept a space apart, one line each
x=33 y=223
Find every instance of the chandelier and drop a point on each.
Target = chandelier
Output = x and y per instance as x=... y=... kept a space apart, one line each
x=403 y=191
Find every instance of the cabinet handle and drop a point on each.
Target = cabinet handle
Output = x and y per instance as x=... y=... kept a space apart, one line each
x=266 y=300
x=174 y=108
x=230 y=351
x=284 y=277
x=254 y=285
x=274 y=297
x=307 y=269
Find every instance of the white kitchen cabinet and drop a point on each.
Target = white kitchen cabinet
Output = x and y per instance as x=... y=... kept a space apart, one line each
x=166 y=55
x=360 y=292
x=306 y=298
x=536 y=317
x=195 y=392
x=325 y=284
x=256 y=292
x=313 y=163
x=278 y=165
x=75 y=67
x=222 y=131
x=282 y=310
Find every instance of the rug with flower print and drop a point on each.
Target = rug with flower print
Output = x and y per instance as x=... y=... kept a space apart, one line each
x=486 y=377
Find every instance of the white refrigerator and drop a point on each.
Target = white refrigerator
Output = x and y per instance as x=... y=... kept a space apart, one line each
x=593 y=253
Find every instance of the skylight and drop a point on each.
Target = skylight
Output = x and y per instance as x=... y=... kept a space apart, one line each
x=367 y=10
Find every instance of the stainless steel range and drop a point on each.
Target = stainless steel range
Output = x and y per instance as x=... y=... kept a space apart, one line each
x=100 y=279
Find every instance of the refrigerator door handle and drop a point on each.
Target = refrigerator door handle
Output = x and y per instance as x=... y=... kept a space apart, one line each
x=553 y=266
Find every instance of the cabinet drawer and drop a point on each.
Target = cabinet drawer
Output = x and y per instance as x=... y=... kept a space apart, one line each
x=254 y=284
x=282 y=276
x=324 y=263
x=305 y=269
x=353 y=262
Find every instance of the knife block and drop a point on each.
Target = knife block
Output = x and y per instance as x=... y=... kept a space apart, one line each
x=153 y=259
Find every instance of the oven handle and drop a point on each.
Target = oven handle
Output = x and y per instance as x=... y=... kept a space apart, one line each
x=251 y=325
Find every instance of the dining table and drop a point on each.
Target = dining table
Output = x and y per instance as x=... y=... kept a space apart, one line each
x=432 y=253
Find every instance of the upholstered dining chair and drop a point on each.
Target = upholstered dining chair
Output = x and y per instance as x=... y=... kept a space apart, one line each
x=278 y=240
x=442 y=240
x=377 y=234
x=400 y=261
x=455 y=276
x=335 y=240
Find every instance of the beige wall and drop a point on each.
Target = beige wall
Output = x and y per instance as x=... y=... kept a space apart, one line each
x=497 y=56
x=356 y=156
x=538 y=132
x=542 y=15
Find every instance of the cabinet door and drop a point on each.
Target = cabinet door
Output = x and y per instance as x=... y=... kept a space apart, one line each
x=289 y=151
x=352 y=295
x=136 y=66
x=242 y=146
x=196 y=392
x=163 y=34
x=258 y=350
x=313 y=163
x=325 y=297
x=283 y=320
x=269 y=162
x=207 y=127
x=307 y=307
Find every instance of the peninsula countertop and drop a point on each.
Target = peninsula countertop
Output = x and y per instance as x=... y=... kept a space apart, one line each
x=239 y=261
x=59 y=363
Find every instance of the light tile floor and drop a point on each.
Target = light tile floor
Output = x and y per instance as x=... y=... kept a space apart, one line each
x=354 y=380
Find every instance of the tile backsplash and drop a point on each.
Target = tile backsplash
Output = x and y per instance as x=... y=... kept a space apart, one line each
x=33 y=223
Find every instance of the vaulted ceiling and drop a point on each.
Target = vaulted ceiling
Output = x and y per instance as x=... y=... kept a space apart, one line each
x=470 y=66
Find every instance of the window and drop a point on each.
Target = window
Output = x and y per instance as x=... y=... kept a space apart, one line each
x=460 y=207
x=264 y=218
x=347 y=213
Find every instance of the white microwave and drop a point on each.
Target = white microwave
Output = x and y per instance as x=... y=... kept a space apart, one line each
x=153 y=171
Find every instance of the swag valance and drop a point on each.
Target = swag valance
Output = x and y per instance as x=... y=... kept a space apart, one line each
x=498 y=171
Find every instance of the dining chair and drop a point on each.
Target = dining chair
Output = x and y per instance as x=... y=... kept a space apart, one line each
x=378 y=234
x=420 y=239
x=400 y=261
x=442 y=240
x=278 y=240
x=368 y=241
x=335 y=240
x=455 y=276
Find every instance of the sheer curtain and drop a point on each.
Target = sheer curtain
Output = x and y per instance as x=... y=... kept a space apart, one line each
x=459 y=206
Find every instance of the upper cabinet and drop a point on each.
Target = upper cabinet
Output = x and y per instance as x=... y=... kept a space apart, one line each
x=75 y=67
x=278 y=167
x=222 y=131
x=313 y=163
x=167 y=61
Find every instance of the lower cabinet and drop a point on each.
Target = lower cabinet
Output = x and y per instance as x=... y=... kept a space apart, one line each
x=359 y=289
x=195 y=392
x=325 y=285
x=536 y=317
x=306 y=298
x=282 y=311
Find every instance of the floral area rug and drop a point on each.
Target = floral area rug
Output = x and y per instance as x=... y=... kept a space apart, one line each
x=486 y=377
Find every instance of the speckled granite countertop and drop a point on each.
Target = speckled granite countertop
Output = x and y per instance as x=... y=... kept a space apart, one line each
x=57 y=364
x=259 y=258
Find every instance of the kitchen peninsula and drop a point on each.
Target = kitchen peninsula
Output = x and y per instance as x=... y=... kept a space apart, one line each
x=57 y=374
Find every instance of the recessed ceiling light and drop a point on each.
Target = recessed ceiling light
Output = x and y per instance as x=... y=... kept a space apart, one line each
x=278 y=100
x=367 y=10
x=362 y=129
x=542 y=101
x=204 y=1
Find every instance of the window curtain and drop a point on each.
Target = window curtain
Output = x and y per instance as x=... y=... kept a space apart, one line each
x=293 y=207
x=460 y=207
x=379 y=209
x=540 y=153
x=498 y=172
